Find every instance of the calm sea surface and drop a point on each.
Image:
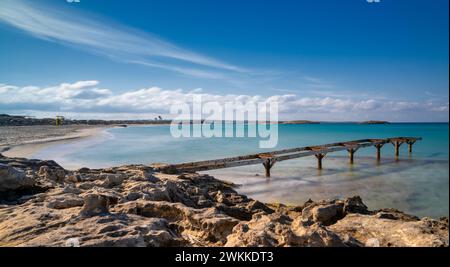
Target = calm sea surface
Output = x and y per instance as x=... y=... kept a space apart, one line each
x=417 y=183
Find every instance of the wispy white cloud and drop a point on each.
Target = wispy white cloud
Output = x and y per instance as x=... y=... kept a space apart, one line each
x=317 y=83
x=89 y=97
x=111 y=39
x=208 y=74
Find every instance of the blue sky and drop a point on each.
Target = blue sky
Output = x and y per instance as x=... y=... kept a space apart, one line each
x=322 y=60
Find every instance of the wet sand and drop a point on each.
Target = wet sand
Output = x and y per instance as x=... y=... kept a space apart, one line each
x=24 y=141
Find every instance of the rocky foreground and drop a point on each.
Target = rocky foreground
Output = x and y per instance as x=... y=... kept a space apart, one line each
x=41 y=204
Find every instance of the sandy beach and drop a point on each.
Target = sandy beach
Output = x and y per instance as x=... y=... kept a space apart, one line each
x=24 y=141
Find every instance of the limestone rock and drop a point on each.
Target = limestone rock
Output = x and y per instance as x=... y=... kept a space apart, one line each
x=112 y=179
x=355 y=205
x=14 y=179
x=86 y=185
x=94 y=204
x=316 y=236
x=109 y=230
x=327 y=214
x=73 y=178
x=262 y=231
x=393 y=233
x=205 y=224
x=52 y=174
x=278 y=230
x=394 y=214
x=65 y=201
x=324 y=213
x=135 y=205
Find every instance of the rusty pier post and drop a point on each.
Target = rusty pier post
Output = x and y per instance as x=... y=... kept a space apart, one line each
x=268 y=164
x=410 y=145
x=351 y=153
x=397 y=145
x=319 y=157
x=378 y=147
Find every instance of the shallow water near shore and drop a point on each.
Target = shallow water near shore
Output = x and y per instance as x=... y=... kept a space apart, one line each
x=416 y=183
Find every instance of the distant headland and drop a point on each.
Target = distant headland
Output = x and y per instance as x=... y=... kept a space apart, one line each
x=20 y=120
x=9 y=120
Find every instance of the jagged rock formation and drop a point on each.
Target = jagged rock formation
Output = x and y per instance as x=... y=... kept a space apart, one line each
x=41 y=204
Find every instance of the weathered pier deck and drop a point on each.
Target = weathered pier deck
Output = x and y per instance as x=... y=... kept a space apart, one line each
x=319 y=151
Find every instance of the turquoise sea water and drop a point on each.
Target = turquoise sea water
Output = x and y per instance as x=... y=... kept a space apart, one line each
x=416 y=183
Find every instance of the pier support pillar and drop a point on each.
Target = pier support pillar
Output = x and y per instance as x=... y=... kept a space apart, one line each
x=378 y=147
x=319 y=160
x=351 y=153
x=410 y=145
x=268 y=164
x=397 y=145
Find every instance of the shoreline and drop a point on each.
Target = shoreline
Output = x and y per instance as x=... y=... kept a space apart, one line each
x=27 y=148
